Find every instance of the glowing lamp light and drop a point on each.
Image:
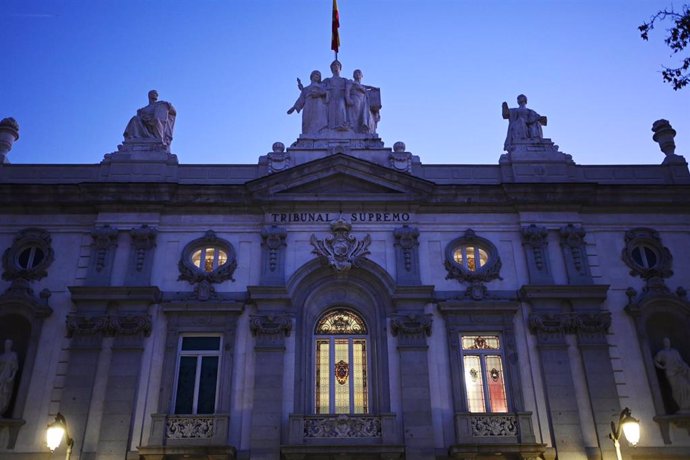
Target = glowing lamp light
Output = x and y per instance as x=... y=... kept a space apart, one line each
x=631 y=429
x=628 y=426
x=55 y=432
x=54 y=435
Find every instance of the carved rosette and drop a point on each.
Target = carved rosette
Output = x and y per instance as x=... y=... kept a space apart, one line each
x=411 y=330
x=143 y=239
x=406 y=238
x=342 y=426
x=270 y=330
x=108 y=325
x=494 y=426
x=341 y=251
x=104 y=239
x=273 y=239
x=190 y=427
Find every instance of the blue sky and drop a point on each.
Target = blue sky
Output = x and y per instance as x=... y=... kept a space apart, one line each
x=74 y=72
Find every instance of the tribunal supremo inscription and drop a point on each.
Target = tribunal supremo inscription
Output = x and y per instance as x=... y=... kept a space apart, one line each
x=306 y=217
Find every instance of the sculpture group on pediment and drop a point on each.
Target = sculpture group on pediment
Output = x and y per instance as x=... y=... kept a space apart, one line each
x=337 y=104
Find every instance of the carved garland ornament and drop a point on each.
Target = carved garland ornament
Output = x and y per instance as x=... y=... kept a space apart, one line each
x=194 y=427
x=341 y=251
x=342 y=426
x=108 y=325
x=494 y=425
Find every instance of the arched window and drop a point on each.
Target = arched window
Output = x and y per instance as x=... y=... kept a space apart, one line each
x=341 y=364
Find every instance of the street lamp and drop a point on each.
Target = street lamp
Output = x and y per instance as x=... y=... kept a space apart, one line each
x=628 y=426
x=55 y=432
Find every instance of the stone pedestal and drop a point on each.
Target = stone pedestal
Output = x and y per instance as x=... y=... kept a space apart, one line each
x=536 y=160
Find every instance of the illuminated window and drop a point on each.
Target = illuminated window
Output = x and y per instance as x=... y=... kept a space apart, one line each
x=482 y=360
x=209 y=258
x=197 y=375
x=470 y=257
x=340 y=365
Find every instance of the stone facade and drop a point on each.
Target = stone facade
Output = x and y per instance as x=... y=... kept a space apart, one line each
x=176 y=311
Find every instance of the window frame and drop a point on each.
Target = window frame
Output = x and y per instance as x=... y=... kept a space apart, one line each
x=189 y=271
x=351 y=338
x=483 y=354
x=200 y=354
x=490 y=270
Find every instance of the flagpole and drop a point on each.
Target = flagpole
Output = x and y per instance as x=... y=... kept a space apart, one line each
x=335 y=25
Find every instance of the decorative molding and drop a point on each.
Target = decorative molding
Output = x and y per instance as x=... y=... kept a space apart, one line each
x=481 y=274
x=494 y=425
x=412 y=325
x=21 y=296
x=104 y=240
x=342 y=426
x=143 y=240
x=273 y=245
x=26 y=239
x=203 y=279
x=270 y=330
x=586 y=324
x=341 y=251
x=574 y=250
x=406 y=239
x=639 y=238
x=535 y=243
x=108 y=325
x=190 y=427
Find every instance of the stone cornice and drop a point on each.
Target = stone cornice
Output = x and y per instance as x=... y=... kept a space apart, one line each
x=101 y=294
x=584 y=292
x=33 y=197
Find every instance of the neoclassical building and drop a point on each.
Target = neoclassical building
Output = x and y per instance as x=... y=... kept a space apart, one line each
x=341 y=299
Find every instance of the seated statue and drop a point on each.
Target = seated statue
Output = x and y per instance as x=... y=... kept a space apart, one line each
x=155 y=121
x=523 y=123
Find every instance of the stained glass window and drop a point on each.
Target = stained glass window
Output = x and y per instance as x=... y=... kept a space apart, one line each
x=340 y=364
x=197 y=375
x=483 y=371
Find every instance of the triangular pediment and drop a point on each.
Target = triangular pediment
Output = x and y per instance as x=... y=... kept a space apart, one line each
x=340 y=177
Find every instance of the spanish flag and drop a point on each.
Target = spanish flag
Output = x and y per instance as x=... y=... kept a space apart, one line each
x=335 y=36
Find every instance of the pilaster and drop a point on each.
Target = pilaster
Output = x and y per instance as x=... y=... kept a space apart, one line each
x=412 y=331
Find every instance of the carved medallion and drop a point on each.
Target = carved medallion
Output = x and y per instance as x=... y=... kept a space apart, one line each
x=341 y=251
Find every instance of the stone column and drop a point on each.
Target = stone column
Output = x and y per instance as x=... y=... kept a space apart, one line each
x=564 y=418
x=270 y=331
x=412 y=331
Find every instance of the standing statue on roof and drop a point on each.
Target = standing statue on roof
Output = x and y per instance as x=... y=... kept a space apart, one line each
x=313 y=99
x=524 y=125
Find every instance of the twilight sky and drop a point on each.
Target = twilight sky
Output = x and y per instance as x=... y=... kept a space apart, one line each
x=75 y=71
